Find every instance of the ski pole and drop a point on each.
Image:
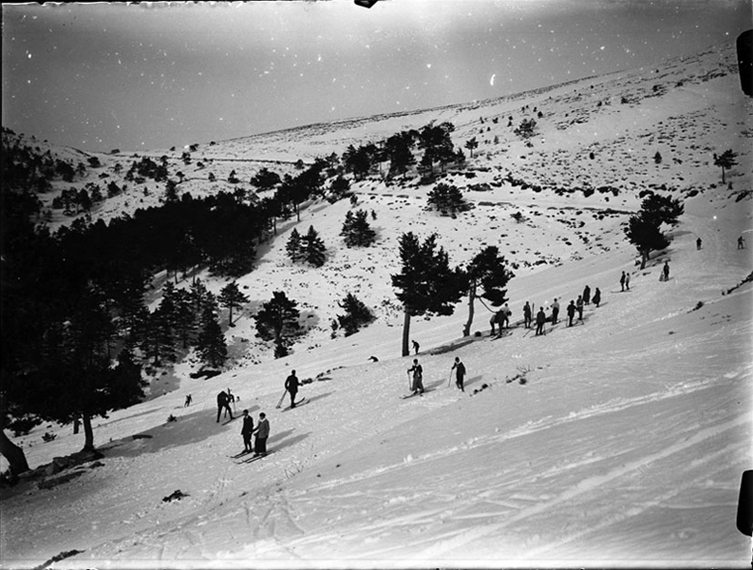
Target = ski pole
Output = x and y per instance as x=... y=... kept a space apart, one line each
x=449 y=379
x=281 y=399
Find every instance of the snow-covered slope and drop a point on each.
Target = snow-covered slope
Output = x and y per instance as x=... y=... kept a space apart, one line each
x=624 y=444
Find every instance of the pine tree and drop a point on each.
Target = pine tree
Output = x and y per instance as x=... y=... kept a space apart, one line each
x=447 y=199
x=726 y=160
x=231 y=297
x=314 y=251
x=211 y=345
x=293 y=247
x=278 y=321
x=356 y=231
x=471 y=145
x=356 y=315
x=487 y=276
x=426 y=283
x=646 y=236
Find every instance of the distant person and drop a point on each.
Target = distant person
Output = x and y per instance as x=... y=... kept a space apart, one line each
x=527 y=315
x=555 y=311
x=291 y=385
x=587 y=295
x=665 y=271
x=741 y=242
x=492 y=322
x=627 y=281
x=504 y=318
x=246 y=431
x=418 y=377
x=623 y=278
x=540 y=320
x=223 y=403
x=188 y=401
x=597 y=297
x=459 y=369
x=570 y=313
x=262 y=433
x=698 y=243
x=416 y=347
x=579 y=307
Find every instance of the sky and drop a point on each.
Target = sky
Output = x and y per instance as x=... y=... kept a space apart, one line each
x=146 y=76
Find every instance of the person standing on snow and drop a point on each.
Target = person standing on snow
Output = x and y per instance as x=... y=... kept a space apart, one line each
x=579 y=307
x=262 y=433
x=246 y=431
x=416 y=346
x=698 y=243
x=527 y=315
x=555 y=311
x=587 y=295
x=665 y=271
x=570 y=313
x=503 y=319
x=597 y=297
x=291 y=385
x=540 y=320
x=622 y=281
x=223 y=403
x=418 y=377
x=459 y=369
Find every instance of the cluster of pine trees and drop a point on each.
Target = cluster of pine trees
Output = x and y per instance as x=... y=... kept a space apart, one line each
x=644 y=228
x=309 y=248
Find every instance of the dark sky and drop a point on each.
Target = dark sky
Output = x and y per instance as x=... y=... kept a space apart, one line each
x=154 y=75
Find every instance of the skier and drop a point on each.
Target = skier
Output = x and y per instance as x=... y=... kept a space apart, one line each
x=597 y=297
x=223 y=404
x=555 y=311
x=665 y=271
x=246 y=431
x=262 y=433
x=622 y=281
x=459 y=369
x=627 y=281
x=492 y=320
x=587 y=295
x=503 y=319
x=698 y=243
x=187 y=403
x=741 y=242
x=527 y=315
x=291 y=385
x=570 y=313
x=540 y=320
x=418 y=377
x=416 y=346
x=579 y=307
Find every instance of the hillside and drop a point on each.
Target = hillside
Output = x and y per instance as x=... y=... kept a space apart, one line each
x=624 y=442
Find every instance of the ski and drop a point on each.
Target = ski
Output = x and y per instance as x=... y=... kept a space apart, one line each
x=297 y=404
x=254 y=458
x=406 y=396
x=241 y=454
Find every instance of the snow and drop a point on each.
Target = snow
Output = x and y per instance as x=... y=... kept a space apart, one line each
x=624 y=446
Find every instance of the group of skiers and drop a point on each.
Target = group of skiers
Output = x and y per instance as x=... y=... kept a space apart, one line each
x=261 y=431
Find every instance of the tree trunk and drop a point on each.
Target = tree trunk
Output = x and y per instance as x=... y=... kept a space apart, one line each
x=471 y=299
x=644 y=259
x=88 y=433
x=406 y=333
x=723 y=181
x=13 y=454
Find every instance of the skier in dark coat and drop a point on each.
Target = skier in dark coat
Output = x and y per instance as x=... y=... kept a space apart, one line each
x=246 y=431
x=459 y=369
x=555 y=311
x=587 y=295
x=698 y=243
x=540 y=320
x=665 y=271
x=570 y=313
x=262 y=433
x=223 y=403
x=622 y=281
x=597 y=297
x=579 y=307
x=416 y=347
x=527 y=315
x=418 y=377
x=291 y=385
